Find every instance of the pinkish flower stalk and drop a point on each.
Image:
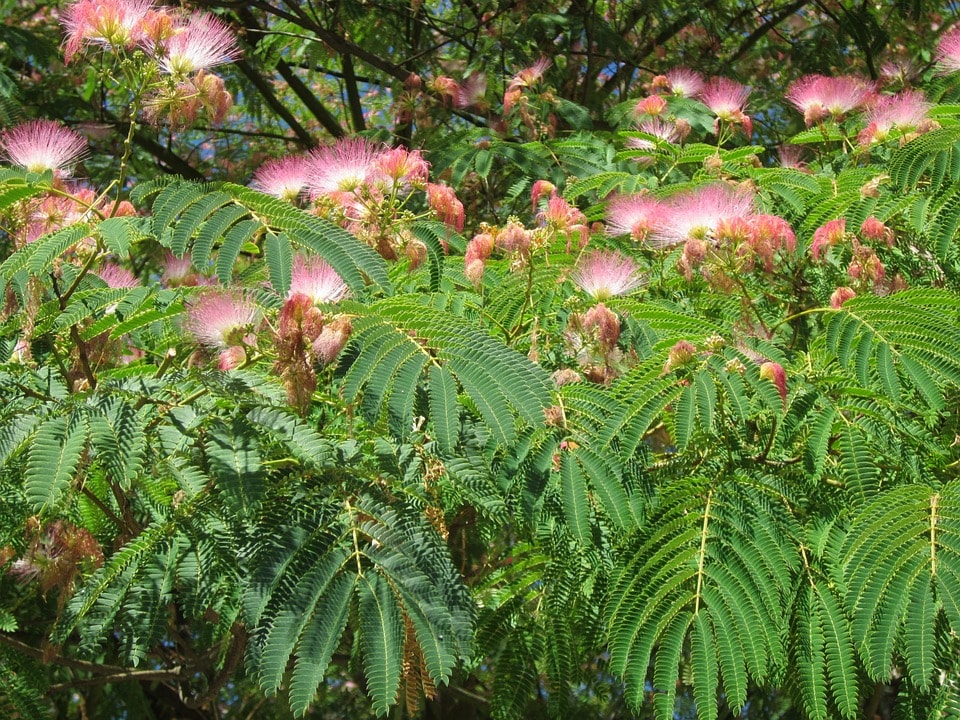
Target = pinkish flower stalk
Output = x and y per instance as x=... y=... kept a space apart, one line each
x=605 y=274
x=284 y=177
x=110 y=23
x=204 y=42
x=315 y=278
x=220 y=319
x=840 y=296
x=775 y=373
x=819 y=97
x=443 y=201
x=42 y=145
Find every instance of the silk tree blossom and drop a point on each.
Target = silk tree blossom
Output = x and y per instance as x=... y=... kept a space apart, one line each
x=316 y=279
x=284 y=177
x=562 y=217
x=819 y=97
x=827 y=235
x=727 y=99
x=110 y=23
x=399 y=169
x=443 y=201
x=948 y=51
x=901 y=112
x=42 y=145
x=117 y=277
x=699 y=213
x=344 y=167
x=219 y=319
x=684 y=82
x=605 y=274
x=205 y=41
x=637 y=215
x=523 y=79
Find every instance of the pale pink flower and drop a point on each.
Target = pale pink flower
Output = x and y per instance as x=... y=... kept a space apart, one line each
x=446 y=87
x=176 y=271
x=819 y=97
x=232 y=357
x=523 y=79
x=636 y=215
x=840 y=296
x=904 y=111
x=539 y=189
x=514 y=238
x=530 y=75
x=443 y=201
x=221 y=319
x=561 y=216
x=204 y=42
x=827 y=235
x=698 y=214
x=791 y=156
x=284 y=177
x=727 y=99
x=775 y=373
x=684 y=82
x=117 y=277
x=41 y=145
x=402 y=169
x=875 y=229
x=948 y=51
x=343 y=167
x=660 y=129
x=315 y=278
x=605 y=274
x=652 y=105
x=472 y=91
x=111 y=23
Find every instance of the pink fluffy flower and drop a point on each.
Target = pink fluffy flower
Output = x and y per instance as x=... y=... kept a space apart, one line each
x=342 y=167
x=284 y=177
x=684 y=82
x=562 y=217
x=443 y=201
x=819 y=97
x=41 y=145
x=727 y=99
x=948 y=51
x=117 y=277
x=828 y=235
x=315 y=278
x=699 y=213
x=638 y=215
x=402 y=169
x=523 y=79
x=903 y=111
x=111 y=23
x=220 y=319
x=775 y=373
x=204 y=42
x=652 y=105
x=605 y=274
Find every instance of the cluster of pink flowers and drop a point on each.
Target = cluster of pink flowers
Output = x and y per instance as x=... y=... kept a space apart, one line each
x=714 y=221
x=226 y=321
x=865 y=268
x=606 y=273
x=726 y=98
x=185 y=47
x=306 y=335
x=364 y=186
x=43 y=145
x=819 y=97
x=183 y=43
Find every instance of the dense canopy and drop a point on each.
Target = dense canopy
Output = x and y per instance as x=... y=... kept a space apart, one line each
x=479 y=359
